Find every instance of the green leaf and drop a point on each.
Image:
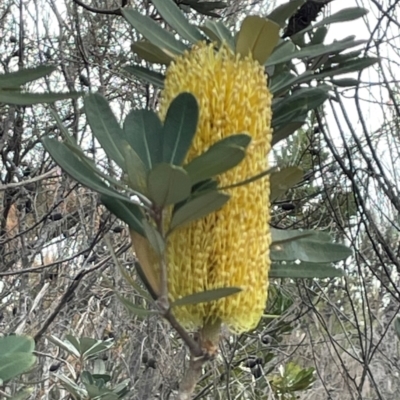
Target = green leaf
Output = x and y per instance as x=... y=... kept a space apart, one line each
x=133 y=309
x=254 y=178
x=168 y=184
x=342 y=58
x=179 y=128
x=147 y=75
x=76 y=168
x=14 y=80
x=349 y=66
x=143 y=132
x=280 y=236
x=14 y=364
x=257 y=36
x=136 y=170
x=207 y=185
x=76 y=392
x=397 y=327
x=105 y=127
x=15 y=356
x=154 y=238
x=285 y=131
x=281 y=83
x=304 y=270
x=313 y=251
x=198 y=207
x=206 y=296
x=218 y=32
x=283 y=180
x=294 y=108
x=219 y=158
x=345 y=82
x=175 y=18
x=313 y=51
x=344 y=15
x=283 y=12
x=284 y=50
x=207 y=7
x=125 y=211
x=126 y=275
x=146 y=264
x=75 y=342
x=27 y=99
x=319 y=35
x=153 y=32
x=89 y=349
x=151 y=53
x=16 y=344
x=65 y=345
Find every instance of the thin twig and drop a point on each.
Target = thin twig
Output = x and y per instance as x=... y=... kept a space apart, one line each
x=46 y=175
x=115 y=11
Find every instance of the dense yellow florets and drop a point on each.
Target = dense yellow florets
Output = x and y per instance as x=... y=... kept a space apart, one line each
x=229 y=247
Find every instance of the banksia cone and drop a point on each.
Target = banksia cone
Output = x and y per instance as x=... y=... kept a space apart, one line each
x=229 y=247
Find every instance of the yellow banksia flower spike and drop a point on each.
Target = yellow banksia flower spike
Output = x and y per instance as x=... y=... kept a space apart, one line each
x=229 y=247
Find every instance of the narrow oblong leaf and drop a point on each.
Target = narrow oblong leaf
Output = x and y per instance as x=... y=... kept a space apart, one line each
x=319 y=35
x=168 y=184
x=134 y=309
x=219 y=158
x=293 y=108
x=105 y=127
x=198 y=207
x=13 y=80
x=28 y=99
x=283 y=12
x=76 y=168
x=125 y=211
x=179 y=128
x=143 y=132
x=345 y=82
x=316 y=50
x=257 y=36
x=15 y=364
x=153 y=32
x=151 y=53
x=206 y=296
x=65 y=345
x=310 y=251
x=136 y=170
x=16 y=344
x=147 y=265
x=218 y=32
x=147 y=75
x=344 y=15
x=174 y=17
x=284 y=50
x=349 y=66
x=154 y=238
x=281 y=181
x=304 y=270
x=280 y=236
x=75 y=391
x=135 y=285
x=207 y=7
x=286 y=130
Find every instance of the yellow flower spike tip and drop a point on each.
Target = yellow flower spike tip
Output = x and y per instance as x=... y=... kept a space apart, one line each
x=229 y=247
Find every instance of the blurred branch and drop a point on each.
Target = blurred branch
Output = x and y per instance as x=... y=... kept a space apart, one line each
x=115 y=11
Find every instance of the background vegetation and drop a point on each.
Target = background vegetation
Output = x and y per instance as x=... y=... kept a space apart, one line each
x=334 y=339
